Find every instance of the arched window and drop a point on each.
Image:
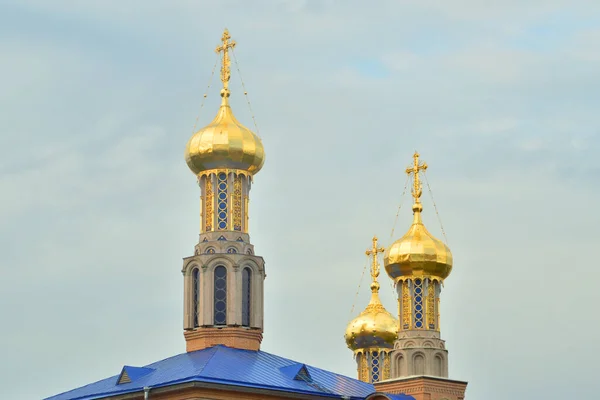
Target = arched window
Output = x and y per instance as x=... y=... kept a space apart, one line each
x=195 y=295
x=220 y=296
x=246 y=295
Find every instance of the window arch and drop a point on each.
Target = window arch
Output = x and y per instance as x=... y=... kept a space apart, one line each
x=246 y=295
x=400 y=367
x=195 y=295
x=438 y=365
x=220 y=296
x=419 y=364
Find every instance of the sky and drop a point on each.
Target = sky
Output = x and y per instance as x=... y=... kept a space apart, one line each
x=501 y=99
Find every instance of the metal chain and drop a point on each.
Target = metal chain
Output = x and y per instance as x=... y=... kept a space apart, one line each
x=206 y=93
x=358 y=290
x=237 y=66
x=399 y=206
x=435 y=208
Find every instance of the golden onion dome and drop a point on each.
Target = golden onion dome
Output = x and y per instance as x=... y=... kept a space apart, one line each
x=418 y=253
x=225 y=143
x=375 y=327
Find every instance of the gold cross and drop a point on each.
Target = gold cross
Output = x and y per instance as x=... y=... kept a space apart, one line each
x=373 y=252
x=414 y=170
x=225 y=62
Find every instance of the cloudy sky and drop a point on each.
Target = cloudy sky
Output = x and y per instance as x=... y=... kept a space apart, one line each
x=97 y=206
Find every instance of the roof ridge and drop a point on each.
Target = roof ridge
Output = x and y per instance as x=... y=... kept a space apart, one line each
x=214 y=349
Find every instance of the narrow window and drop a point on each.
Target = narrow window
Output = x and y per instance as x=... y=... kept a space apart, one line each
x=222 y=201
x=418 y=303
x=220 y=309
x=196 y=295
x=375 y=367
x=246 y=295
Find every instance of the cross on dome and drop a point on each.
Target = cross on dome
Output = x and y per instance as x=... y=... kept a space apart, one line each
x=414 y=170
x=225 y=61
x=374 y=251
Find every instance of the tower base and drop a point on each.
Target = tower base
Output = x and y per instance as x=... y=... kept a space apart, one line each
x=424 y=387
x=236 y=337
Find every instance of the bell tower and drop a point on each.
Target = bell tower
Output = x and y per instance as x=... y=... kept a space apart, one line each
x=223 y=280
x=419 y=263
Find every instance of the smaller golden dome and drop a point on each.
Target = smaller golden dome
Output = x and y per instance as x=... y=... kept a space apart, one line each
x=418 y=253
x=225 y=143
x=374 y=327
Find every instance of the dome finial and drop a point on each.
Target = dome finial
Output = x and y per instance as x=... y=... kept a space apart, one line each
x=225 y=62
x=374 y=251
x=416 y=189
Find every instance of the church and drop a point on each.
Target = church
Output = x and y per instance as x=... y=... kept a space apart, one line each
x=398 y=357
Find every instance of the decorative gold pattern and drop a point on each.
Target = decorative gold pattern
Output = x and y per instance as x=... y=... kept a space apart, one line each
x=225 y=142
x=386 y=366
x=246 y=207
x=438 y=314
x=375 y=326
x=417 y=253
x=237 y=203
x=406 y=309
x=208 y=196
x=431 y=305
x=363 y=373
x=227 y=171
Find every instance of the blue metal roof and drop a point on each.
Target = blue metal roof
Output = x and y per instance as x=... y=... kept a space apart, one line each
x=228 y=366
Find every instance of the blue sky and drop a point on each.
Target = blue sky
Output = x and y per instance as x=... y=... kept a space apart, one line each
x=501 y=99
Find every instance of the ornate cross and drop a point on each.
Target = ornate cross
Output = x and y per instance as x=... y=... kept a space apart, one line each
x=373 y=252
x=414 y=170
x=225 y=62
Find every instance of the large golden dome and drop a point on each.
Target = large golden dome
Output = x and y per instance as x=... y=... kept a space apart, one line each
x=374 y=327
x=225 y=143
x=418 y=253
